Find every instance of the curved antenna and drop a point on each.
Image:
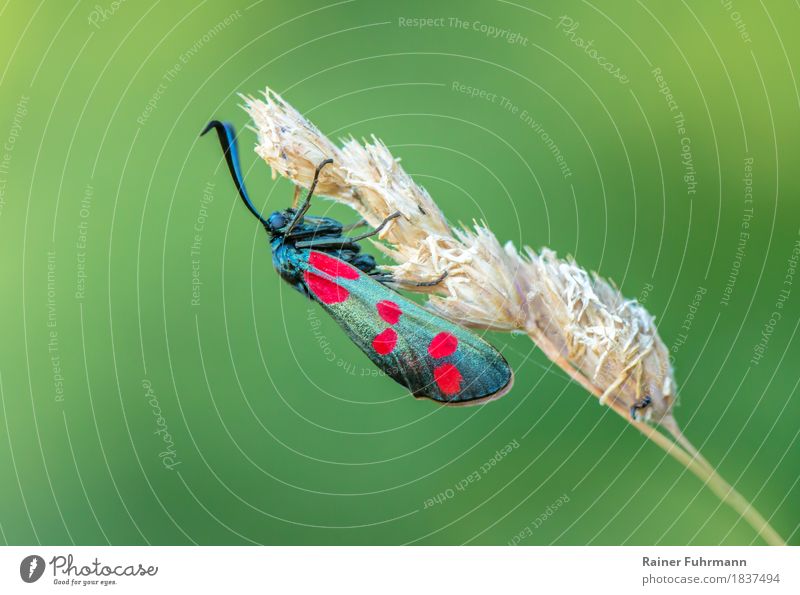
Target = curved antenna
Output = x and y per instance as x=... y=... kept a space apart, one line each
x=227 y=138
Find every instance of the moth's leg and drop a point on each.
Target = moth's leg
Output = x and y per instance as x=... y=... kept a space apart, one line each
x=382 y=277
x=377 y=230
x=356 y=225
x=347 y=254
x=433 y=283
x=345 y=243
x=328 y=243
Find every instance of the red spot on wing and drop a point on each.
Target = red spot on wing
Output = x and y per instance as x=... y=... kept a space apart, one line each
x=385 y=341
x=325 y=290
x=332 y=266
x=448 y=378
x=389 y=311
x=442 y=345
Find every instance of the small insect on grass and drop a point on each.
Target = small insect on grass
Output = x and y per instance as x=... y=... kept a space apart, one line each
x=427 y=354
x=606 y=343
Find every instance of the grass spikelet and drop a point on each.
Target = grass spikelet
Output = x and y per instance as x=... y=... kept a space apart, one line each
x=608 y=344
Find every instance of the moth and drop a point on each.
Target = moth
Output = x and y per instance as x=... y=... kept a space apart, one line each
x=432 y=357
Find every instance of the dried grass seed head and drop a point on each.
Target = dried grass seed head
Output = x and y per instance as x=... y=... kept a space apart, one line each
x=580 y=321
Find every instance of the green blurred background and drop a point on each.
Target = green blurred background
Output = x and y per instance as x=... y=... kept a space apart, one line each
x=279 y=432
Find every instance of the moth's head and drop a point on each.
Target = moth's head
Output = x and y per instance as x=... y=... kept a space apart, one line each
x=278 y=221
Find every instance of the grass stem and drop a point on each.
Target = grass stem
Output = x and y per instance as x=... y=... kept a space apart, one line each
x=685 y=453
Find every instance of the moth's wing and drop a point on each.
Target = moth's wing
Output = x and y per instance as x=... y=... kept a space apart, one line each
x=429 y=355
x=458 y=366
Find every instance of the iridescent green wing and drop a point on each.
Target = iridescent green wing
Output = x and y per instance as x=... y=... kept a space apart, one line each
x=429 y=355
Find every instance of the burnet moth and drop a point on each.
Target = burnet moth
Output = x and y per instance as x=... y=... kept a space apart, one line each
x=430 y=356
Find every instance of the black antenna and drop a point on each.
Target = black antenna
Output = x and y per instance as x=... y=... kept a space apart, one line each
x=227 y=138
